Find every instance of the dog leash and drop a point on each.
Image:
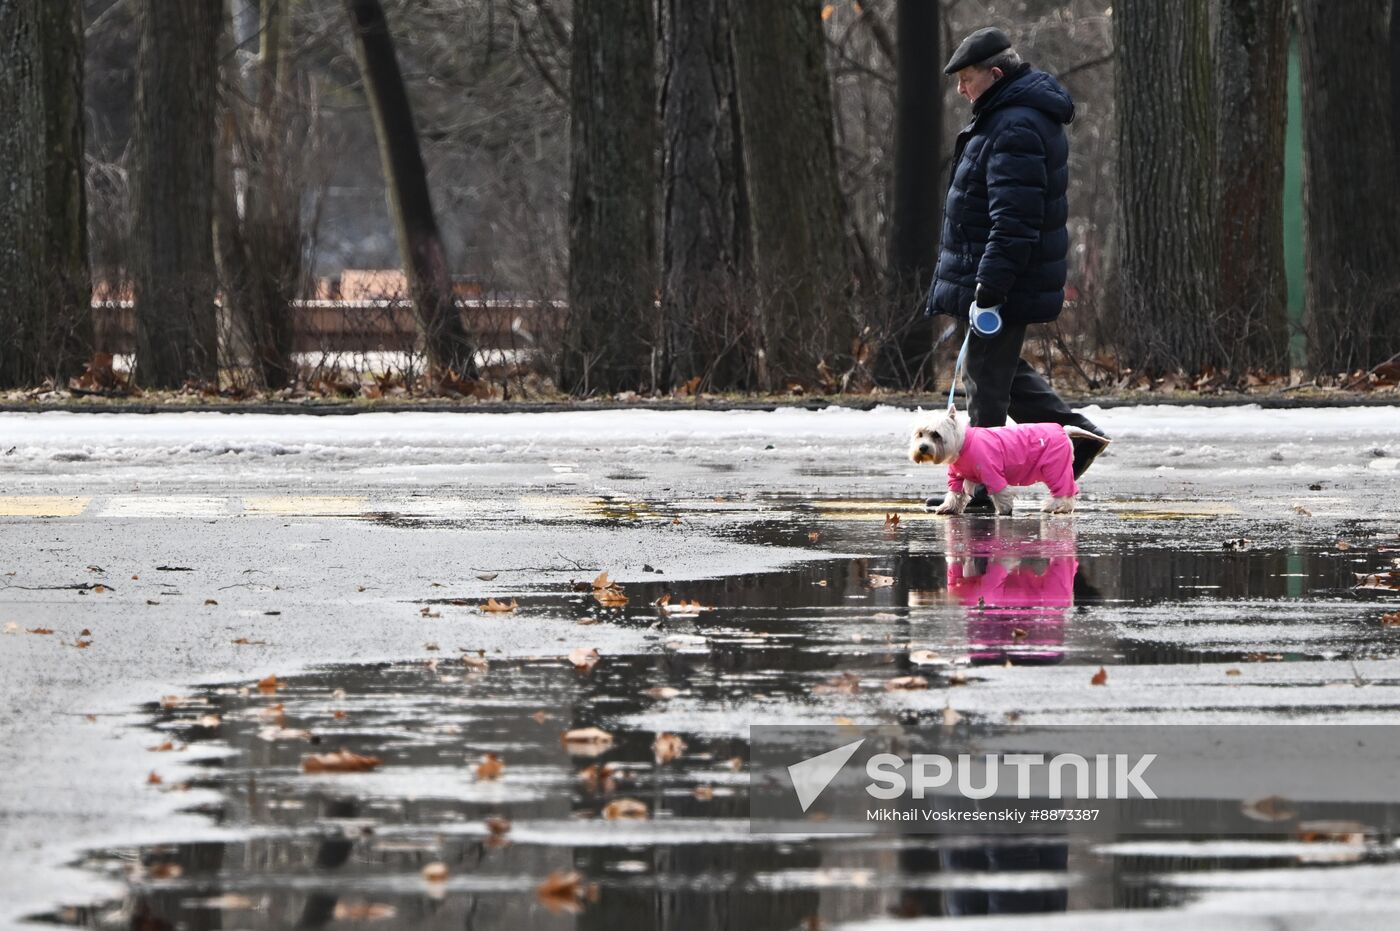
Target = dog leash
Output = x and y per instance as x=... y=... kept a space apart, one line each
x=958 y=367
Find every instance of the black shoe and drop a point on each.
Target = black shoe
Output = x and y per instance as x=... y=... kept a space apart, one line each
x=981 y=503
x=1087 y=447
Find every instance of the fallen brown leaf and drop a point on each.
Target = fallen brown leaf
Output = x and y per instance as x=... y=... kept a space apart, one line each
x=210 y=601
x=1332 y=832
x=814 y=536
x=435 y=873
x=1100 y=677
x=561 y=892
x=610 y=597
x=269 y=685
x=42 y=631
x=490 y=767
x=667 y=747
x=625 y=809
x=164 y=747
x=848 y=683
x=906 y=683
x=587 y=741
x=584 y=658
x=245 y=642
x=498 y=826
x=891 y=521
x=1273 y=809
x=608 y=593
x=684 y=608
x=493 y=606
x=662 y=692
x=154 y=779
x=363 y=911
x=950 y=717
x=1390 y=620
x=599 y=777
x=704 y=793
x=879 y=581
x=339 y=761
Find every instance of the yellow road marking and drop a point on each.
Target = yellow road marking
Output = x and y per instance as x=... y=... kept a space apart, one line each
x=304 y=506
x=1170 y=510
x=42 y=506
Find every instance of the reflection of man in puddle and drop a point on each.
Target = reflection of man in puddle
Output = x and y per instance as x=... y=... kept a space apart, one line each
x=1016 y=579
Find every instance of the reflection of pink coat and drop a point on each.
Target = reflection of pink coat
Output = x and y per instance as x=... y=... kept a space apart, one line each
x=1025 y=454
x=1003 y=600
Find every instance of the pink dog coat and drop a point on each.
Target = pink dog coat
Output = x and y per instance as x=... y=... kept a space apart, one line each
x=1021 y=455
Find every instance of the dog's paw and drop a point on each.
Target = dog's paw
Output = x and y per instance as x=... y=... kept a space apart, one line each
x=1005 y=502
x=953 y=504
x=1058 y=505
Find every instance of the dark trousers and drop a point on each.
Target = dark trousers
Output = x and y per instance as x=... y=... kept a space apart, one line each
x=1001 y=383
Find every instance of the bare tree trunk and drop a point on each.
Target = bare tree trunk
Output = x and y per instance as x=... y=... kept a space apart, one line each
x=45 y=292
x=918 y=193
x=1166 y=152
x=707 y=325
x=1251 y=80
x=272 y=213
x=172 y=234
x=801 y=270
x=22 y=135
x=612 y=321
x=1352 y=240
x=230 y=252
x=1395 y=76
x=420 y=242
x=68 y=342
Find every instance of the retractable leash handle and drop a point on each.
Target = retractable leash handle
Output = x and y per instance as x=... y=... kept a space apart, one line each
x=985 y=320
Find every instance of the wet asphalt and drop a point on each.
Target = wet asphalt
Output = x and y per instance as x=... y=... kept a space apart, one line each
x=1214 y=579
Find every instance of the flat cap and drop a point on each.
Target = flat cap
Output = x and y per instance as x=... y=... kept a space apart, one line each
x=977 y=48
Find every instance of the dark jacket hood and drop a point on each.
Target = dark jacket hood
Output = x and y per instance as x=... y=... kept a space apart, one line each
x=1029 y=88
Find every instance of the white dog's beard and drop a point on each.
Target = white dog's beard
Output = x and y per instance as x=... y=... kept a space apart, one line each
x=938 y=444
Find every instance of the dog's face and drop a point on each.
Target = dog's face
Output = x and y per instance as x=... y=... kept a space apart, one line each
x=939 y=441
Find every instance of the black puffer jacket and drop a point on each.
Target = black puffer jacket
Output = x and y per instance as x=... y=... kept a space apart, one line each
x=1004 y=219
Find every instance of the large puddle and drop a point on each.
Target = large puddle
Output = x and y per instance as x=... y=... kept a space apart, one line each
x=439 y=837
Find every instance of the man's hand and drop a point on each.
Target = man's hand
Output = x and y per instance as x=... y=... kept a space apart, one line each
x=986 y=297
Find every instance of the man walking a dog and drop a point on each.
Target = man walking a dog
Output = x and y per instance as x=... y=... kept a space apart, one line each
x=1004 y=243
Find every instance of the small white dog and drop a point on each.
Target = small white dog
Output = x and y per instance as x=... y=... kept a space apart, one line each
x=999 y=458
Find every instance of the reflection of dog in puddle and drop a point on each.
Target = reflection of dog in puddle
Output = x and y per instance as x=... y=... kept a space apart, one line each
x=1017 y=584
x=998 y=458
